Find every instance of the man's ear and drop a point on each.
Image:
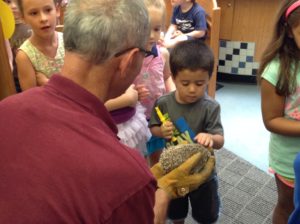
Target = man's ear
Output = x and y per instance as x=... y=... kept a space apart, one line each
x=127 y=61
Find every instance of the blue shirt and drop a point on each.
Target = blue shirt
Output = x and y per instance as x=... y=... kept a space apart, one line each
x=295 y=216
x=194 y=19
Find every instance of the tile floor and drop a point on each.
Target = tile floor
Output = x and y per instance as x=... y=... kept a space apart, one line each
x=248 y=194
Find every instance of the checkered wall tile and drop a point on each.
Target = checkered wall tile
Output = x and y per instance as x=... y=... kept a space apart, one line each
x=237 y=58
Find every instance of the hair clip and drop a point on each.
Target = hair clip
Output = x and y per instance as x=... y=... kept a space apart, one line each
x=291 y=8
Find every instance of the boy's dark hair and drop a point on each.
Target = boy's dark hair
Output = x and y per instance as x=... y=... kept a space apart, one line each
x=192 y=55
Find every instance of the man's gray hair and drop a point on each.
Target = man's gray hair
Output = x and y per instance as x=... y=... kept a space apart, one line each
x=98 y=29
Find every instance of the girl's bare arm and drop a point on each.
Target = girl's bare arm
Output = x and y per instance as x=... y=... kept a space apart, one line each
x=272 y=106
x=26 y=72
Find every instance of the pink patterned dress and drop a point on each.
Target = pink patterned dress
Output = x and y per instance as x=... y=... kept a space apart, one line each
x=152 y=77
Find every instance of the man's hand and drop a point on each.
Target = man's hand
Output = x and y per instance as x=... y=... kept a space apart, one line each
x=179 y=182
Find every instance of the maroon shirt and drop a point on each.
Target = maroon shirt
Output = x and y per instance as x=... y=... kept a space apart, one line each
x=61 y=161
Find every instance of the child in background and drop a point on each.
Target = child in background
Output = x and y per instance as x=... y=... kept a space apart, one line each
x=129 y=116
x=279 y=77
x=191 y=64
x=188 y=22
x=153 y=81
x=21 y=33
x=43 y=53
x=155 y=78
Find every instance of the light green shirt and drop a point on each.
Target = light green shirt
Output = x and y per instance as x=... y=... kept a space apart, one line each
x=283 y=149
x=43 y=63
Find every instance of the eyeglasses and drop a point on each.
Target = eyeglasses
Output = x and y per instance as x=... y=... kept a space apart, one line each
x=146 y=53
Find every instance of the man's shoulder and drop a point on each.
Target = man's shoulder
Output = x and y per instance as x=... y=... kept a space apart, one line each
x=19 y=100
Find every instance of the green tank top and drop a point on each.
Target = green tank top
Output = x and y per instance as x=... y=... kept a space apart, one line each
x=283 y=149
x=43 y=63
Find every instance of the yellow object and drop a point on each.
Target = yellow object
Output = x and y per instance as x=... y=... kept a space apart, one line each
x=163 y=119
x=7 y=20
x=179 y=181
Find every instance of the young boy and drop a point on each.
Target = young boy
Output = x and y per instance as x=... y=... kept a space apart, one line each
x=191 y=65
x=188 y=22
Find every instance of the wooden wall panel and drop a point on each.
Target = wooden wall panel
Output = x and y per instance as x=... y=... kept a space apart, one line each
x=227 y=11
x=7 y=86
x=253 y=22
x=169 y=10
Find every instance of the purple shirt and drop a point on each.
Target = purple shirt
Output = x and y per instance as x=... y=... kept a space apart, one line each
x=123 y=114
x=61 y=161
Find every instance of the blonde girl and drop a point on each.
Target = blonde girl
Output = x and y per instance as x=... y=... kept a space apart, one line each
x=42 y=54
x=131 y=109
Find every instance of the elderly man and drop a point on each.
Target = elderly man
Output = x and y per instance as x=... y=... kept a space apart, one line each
x=60 y=158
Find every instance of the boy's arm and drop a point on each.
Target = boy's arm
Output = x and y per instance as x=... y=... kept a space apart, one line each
x=128 y=99
x=165 y=130
x=215 y=141
x=172 y=28
x=26 y=72
x=186 y=36
x=168 y=42
x=218 y=141
x=196 y=34
x=180 y=37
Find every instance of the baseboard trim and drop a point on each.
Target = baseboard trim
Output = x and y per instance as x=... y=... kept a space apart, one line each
x=225 y=77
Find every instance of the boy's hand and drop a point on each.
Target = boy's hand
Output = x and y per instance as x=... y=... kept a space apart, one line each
x=143 y=92
x=204 y=139
x=167 y=129
x=176 y=34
